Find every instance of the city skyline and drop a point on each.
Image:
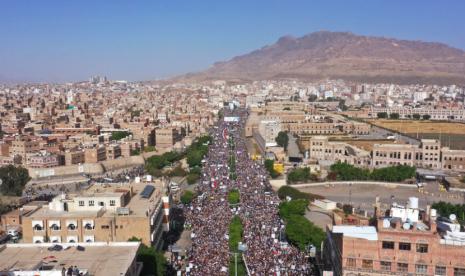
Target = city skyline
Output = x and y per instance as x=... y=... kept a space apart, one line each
x=52 y=42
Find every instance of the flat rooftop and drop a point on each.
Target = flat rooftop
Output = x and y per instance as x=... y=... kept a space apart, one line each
x=137 y=205
x=112 y=258
x=359 y=232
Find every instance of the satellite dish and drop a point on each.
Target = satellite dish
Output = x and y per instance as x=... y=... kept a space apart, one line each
x=453 y=217
x=406 y=226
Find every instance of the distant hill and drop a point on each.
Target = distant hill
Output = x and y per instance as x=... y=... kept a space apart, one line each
x=347 y=56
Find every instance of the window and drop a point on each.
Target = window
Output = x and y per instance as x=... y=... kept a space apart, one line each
x=105 y=227
x=388 y=245
x=404 y=246
x=112 y=202
x=422 y=248
x=351 y=262
x=386 y=266
x=421 y=269
x=367 y=264
x=440 y=270
x=81 y=202
x=402 y=267
x=91 y=203
x=459 y=271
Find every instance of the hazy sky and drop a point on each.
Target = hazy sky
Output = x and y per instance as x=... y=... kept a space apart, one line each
x=139 y=40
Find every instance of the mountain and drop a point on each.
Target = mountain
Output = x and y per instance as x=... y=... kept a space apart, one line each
x=324 y=54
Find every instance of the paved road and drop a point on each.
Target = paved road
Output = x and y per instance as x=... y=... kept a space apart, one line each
x=380 y=132
x=363 y=196
x=292 y=147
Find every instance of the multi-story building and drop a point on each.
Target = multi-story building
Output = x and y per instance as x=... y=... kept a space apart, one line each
x=408 y=112
x=167 y=137
x=325 y=151
x=22 y=146
x=453 y=159
x=115 y=213
x=269 y=131
x=42 y=160
x=73 y=157
x=113 y=151
x=95 y=154
x=428 y=154
x=407 y=242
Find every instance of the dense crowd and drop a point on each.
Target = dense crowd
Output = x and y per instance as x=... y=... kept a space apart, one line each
x=210 y=214
x=122 y=176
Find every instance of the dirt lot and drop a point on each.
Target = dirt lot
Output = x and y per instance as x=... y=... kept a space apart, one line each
x=414 y=126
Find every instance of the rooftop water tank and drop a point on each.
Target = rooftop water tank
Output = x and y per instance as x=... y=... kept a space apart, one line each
x=406 y=226
x=386 y=223
x=413 y=202
x=433 y=213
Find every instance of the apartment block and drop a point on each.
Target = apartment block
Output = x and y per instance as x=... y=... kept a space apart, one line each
x=406 y=242
x=95 y=154
x=113 y=213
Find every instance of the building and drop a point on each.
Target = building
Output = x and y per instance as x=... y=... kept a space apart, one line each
x=167 y=137
x=97 y=259
x=42 y=160
x=113 y=213
x=269 y=131
x=73 y=157
x=429 y=154
x=453 y=159
x=113 y=151
x=406 y=112
x=22 y=146
x=328 y=152
x=95 y=154
x=407 y=242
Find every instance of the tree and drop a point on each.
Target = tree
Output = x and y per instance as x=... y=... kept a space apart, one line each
x=394 y=116
x=192 y=178
x=187 y=197
x=282 y=139
x=154 y=262
x=269 y=165
x=293 y=193
x=13 y=180
x=312 y=98
x=118 y=135
x=234 y=196
x=194 y=158
x=177 y=171
x=416 y=116
x=382 y=115
x=426 y=117
x=342 y=105
x=300 y=175
x=348 y=209
x=301 y=232
x=235 y=233
x=293 y=207
x=347 y=172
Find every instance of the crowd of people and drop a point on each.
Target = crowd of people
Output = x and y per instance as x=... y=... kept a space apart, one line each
x=121 y=176
x=265 y=250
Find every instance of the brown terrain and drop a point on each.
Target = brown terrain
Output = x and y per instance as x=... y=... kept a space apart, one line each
x=347 y=56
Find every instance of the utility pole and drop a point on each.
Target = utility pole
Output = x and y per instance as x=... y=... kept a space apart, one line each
x=235 y=262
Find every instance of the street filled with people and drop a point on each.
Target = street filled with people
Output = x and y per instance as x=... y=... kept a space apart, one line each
x=227 y=166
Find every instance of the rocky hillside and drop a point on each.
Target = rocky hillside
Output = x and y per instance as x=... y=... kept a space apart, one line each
x=345 y=55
